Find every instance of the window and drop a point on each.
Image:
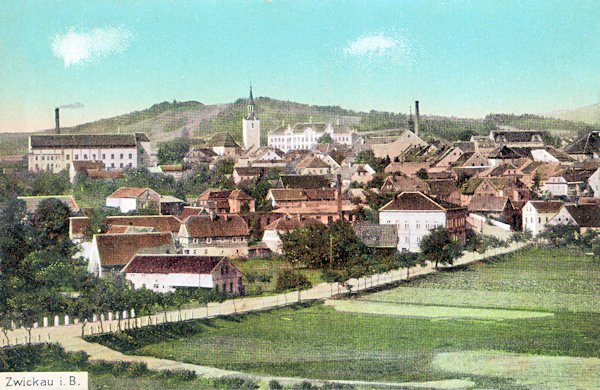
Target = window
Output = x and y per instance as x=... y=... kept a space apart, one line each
x=94 y=156
x=103 y=156
x=42 y=158
x=112 y=155
x=130 y=156
x=85 y=157
x=67 y=156
x=112 y=165
x=539 y=220
x=76 y=157
x=121 y=165
x=36 y=167
x=418 y=224
x=121 y=156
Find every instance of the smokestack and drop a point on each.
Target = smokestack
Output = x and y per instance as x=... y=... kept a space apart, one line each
x=339 y=196
x=57 y=120
x=418 y=118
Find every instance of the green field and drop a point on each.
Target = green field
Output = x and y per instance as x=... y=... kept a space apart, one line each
x=316 y=341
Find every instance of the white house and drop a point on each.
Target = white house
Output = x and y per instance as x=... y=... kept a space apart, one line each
x=131 y=199
x=416 y=214
x=306 y=136
x=271 y=236
x=584 y=216
x=537 y=213
x=164 y=273
x=116 y=151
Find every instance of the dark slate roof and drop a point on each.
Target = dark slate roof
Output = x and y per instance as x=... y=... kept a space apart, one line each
x=443 y=187
x=495 y=204
x=504 y=152
x=172 y=264
x=585 y=215
x=304 y=181
x=588 y=144
x=224 y=140
x=516 y=135
x=87 y=140
x=417 y=201
x=547 y=206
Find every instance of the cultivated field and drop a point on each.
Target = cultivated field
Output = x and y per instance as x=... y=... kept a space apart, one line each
x=316 y=341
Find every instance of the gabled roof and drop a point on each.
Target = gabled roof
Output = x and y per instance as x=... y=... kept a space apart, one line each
x=406 y=183
x=418 y=201
x=164 y=223
x=87 y=140
x=239 y=195
x=545 y=207
x=222 y=225
x=306 y=194
x=250 y=171
x=407 y=168
x=501 y=170
x=120 y=229
x=489 y=203
x=443 y=187
x=304 y=181
x=189 y=211
x=588 y=144
x=128 y=192
x=172 y=264
x=504 y=152
x=585 y=215
x=118 y=249
x=471 y=185
x=285 y=224
x=223 y=140
x=214 y=194
x=577 y=175
x=516 y=135
x=312 y=162
x=78 y=226
x=33 y=202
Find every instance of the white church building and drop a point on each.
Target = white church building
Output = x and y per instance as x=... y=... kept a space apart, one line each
x=251 y=126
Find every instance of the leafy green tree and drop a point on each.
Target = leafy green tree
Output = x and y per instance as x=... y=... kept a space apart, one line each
x=52 y=220
x=224 y=166
x=561 y=235
x=172 y=152
x=14 y=245
x=325 y=139
x=48 y=183
x=439 y=247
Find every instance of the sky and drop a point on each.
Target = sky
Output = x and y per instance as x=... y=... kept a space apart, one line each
x=458 y=58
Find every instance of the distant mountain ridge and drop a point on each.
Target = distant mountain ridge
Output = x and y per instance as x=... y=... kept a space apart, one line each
x=587 y=114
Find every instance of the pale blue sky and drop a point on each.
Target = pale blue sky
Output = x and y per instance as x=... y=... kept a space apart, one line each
x=459 y=58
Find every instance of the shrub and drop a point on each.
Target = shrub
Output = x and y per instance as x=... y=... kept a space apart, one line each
x=290 y=279
x=230 y=382
x=274 y=385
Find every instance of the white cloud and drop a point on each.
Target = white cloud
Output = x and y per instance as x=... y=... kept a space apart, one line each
x=392 y=47
x=76 y=47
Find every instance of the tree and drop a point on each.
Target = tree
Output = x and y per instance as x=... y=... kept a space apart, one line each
x=325 y=139
x=225 y=166
x=439 y=247
x=172 y=152
x=48 y=183
x=52 y=220
x=14 y=246
x=422 y=174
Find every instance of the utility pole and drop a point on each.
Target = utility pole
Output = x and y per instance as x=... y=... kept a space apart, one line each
x=330 y=251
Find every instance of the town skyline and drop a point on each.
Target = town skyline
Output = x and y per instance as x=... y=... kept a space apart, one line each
x=460 y=59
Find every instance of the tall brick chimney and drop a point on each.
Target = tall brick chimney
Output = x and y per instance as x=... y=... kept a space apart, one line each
x=338 y=196
x=57 y=120
x=418 y=118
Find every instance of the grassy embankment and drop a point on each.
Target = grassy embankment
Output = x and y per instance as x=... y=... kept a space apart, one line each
x=315 y=341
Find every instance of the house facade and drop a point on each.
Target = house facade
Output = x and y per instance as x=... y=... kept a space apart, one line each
x=537 y=213
x=416 y=214
x=165 y=273
x=116 y=151
x=215 y=235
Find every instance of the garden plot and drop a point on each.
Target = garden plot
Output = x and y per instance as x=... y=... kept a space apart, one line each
x=480 y=298
x=432 y=312
x=530 y=371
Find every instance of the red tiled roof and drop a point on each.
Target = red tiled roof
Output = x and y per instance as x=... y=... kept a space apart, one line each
x=164 y=223
x=92 y=174
x=118 y=249
x=127 y=192
x=80 y=166
x=223 y=225
x=587 y=215
x=547 y=206
x=285 y=224
x=417 y=201
x=172 y=264
x=488 y=203
x=312 y=162
x=78 y=226
x=189 y=211
x=33 y=202
x=239 y=195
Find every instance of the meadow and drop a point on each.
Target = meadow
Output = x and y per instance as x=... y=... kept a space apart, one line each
x=317 y=341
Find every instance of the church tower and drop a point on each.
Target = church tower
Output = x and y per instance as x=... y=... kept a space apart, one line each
x=251 y=126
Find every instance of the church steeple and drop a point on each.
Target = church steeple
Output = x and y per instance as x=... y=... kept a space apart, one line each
x=251 y=111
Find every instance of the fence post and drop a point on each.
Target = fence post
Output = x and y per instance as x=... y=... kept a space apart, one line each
x=56 y=321
x=67 y=320
x=45 y=322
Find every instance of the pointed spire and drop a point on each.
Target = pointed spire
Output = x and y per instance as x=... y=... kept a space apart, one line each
x=251 y=98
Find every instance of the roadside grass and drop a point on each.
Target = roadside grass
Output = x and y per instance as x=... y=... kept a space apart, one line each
x=317 y=342
x=430 y=311
x=538 y=270
x=487 y=299
x=543 y=372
